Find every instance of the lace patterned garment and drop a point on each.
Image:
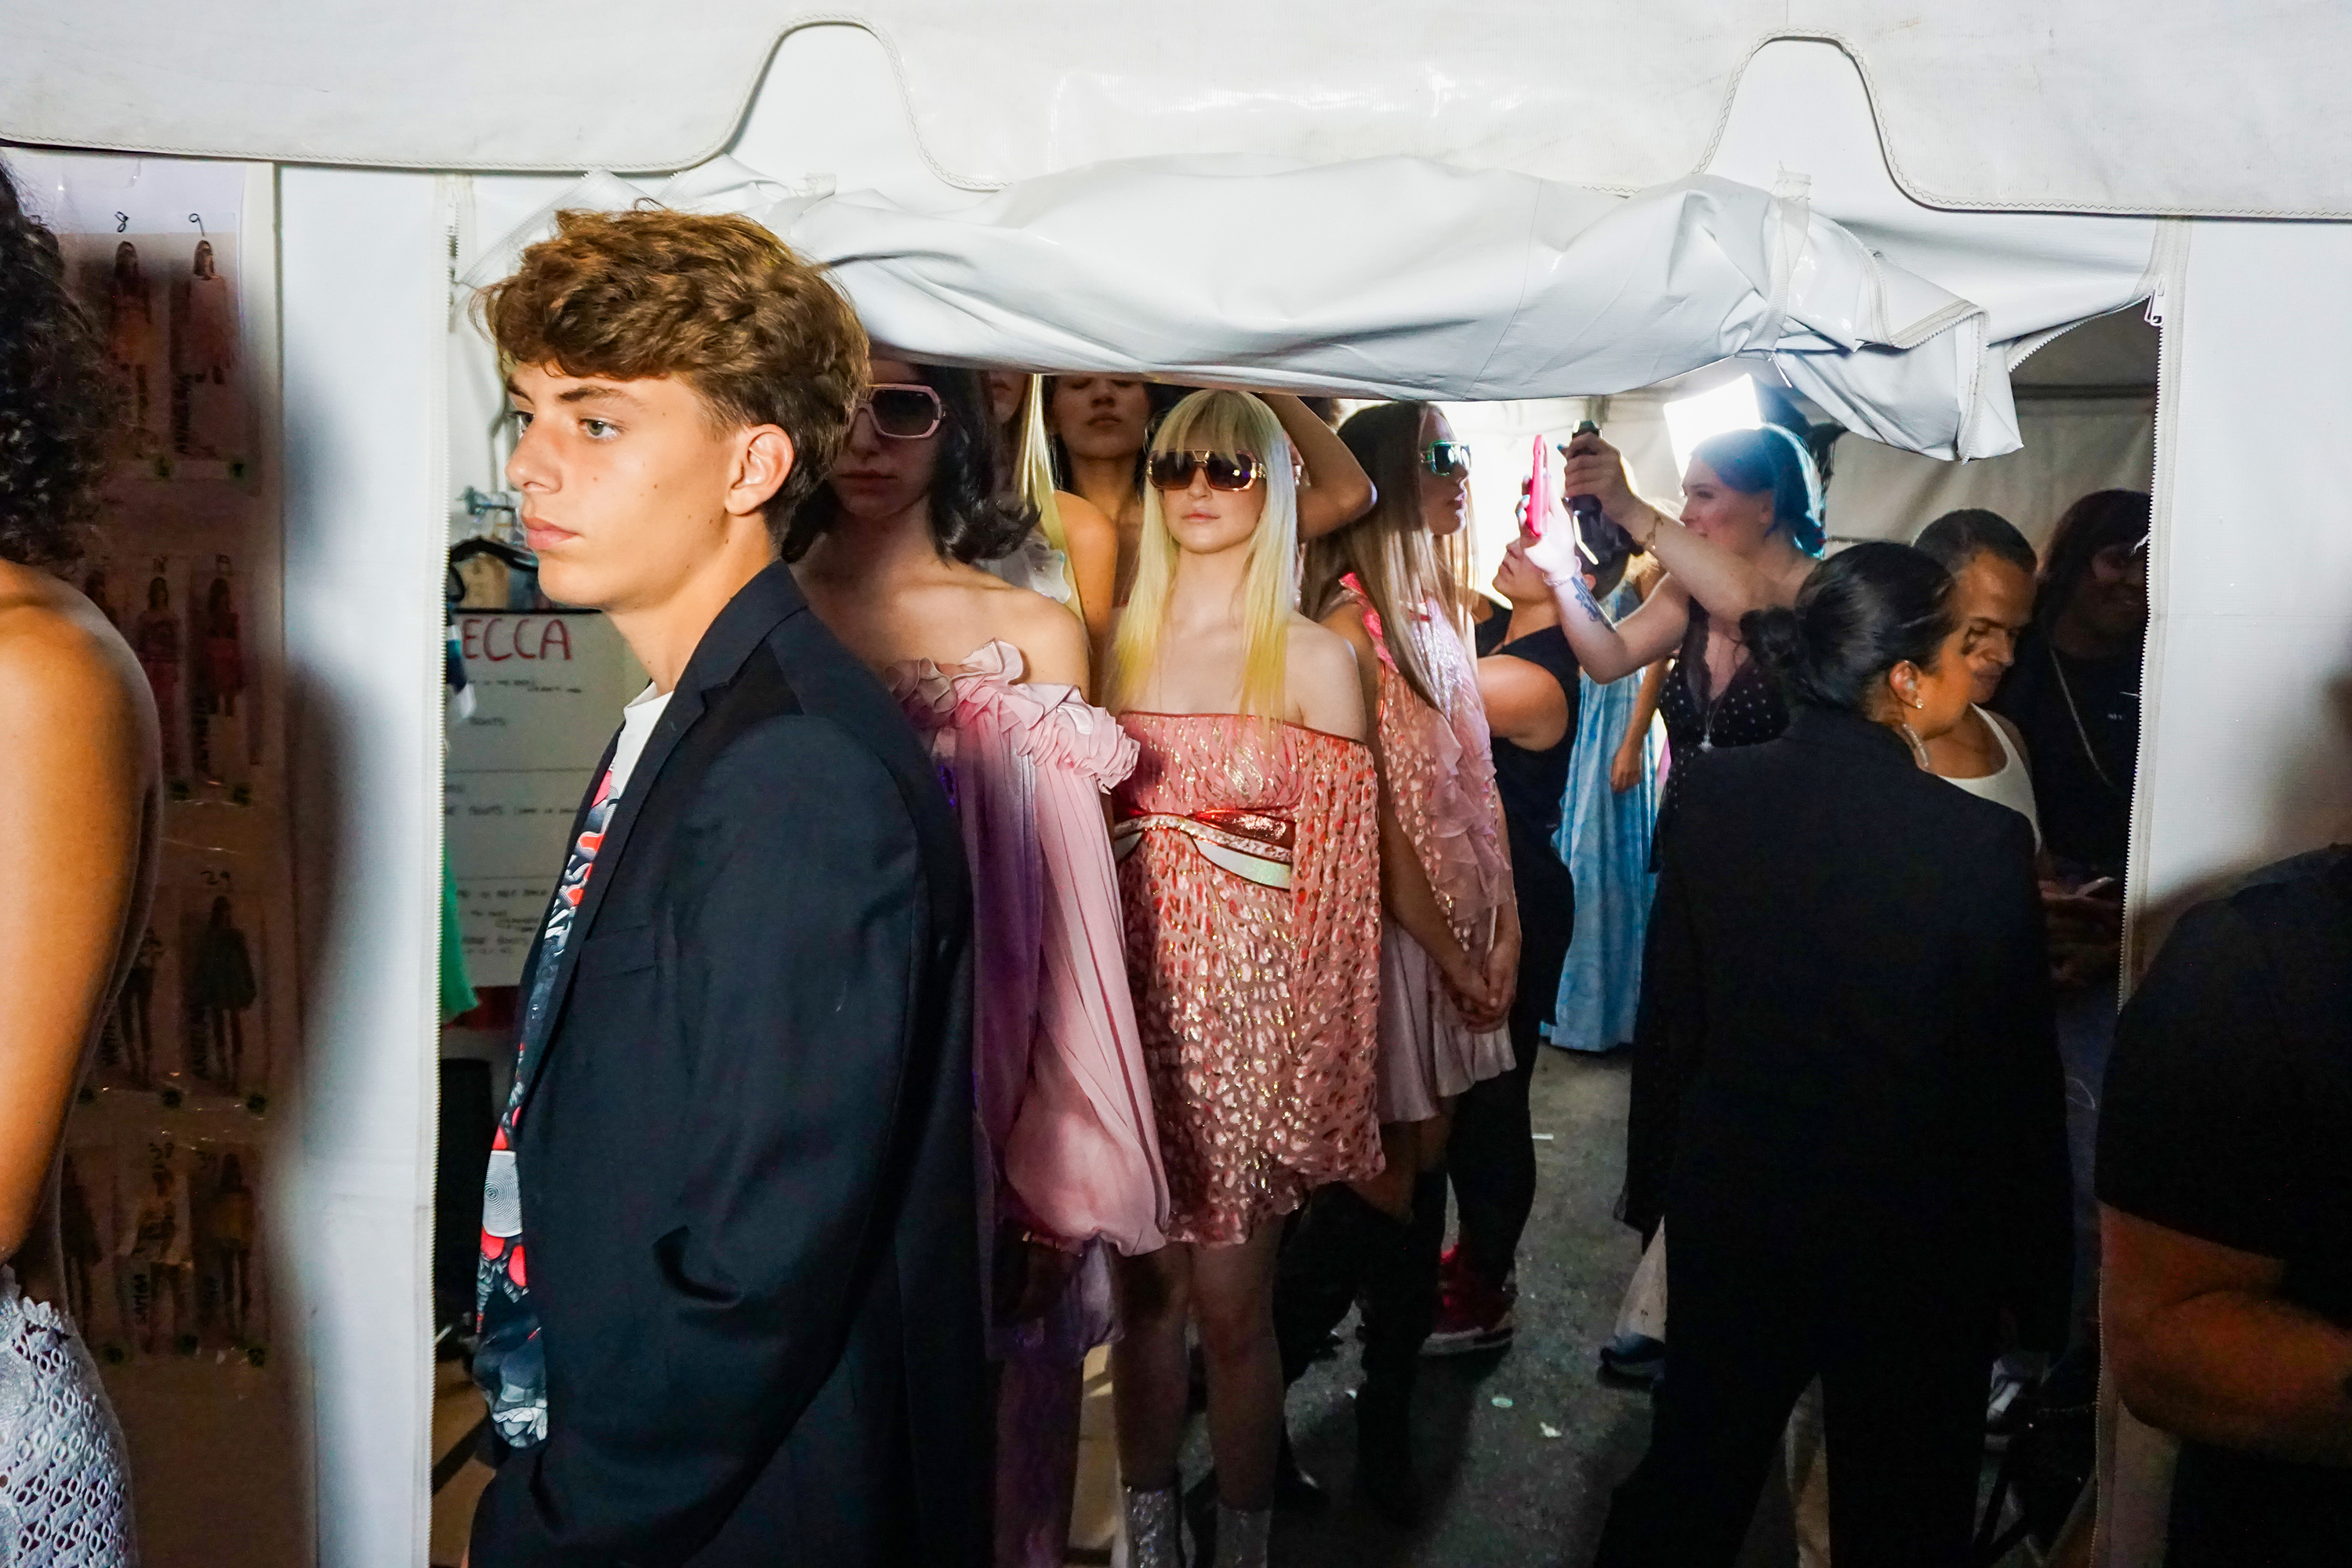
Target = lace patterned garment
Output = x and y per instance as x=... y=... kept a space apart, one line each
x=1249 y=873
x=1441 y=781
x=65 y=1486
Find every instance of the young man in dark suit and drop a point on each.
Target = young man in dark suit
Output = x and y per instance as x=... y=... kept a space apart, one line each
x=730 y=1291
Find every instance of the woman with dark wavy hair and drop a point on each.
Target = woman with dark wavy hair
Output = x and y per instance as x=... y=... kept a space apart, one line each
x=995 y=676
x=80 y=773
x=1870 y=1167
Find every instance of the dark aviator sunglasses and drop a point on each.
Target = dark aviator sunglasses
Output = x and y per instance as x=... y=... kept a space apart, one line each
x=1224 y=470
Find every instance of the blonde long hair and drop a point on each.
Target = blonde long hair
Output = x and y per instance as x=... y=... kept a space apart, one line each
x=1220 y=422
x=1032 y=472
x=1402 y=566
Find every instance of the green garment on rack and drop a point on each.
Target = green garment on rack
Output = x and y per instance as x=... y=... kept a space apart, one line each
x=456 y=988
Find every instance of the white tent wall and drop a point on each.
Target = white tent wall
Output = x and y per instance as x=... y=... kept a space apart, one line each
x=363 y=294
x=2073 y=446
x=2246 y=739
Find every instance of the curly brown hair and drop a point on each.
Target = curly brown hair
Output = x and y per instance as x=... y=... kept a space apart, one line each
x=57 y=403
x=714 y=299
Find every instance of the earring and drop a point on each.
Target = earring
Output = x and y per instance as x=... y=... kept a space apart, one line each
x=1918 y=747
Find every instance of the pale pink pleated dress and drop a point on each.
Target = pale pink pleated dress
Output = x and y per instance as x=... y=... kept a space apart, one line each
x=1069 y=1149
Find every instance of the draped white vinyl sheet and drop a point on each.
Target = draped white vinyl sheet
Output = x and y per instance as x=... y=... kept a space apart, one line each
x=2141 y=106
x=1399 y=277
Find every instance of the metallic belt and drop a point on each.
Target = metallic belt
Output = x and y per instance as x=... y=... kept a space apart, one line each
x=1250 y=844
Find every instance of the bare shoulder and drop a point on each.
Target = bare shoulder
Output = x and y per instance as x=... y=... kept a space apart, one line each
x=56 y=649
x=1325 y=676
x=1053 y=641
x=1345 y=623
x=1083 y=523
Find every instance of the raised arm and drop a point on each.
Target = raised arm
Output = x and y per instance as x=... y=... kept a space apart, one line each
x=1607 y=651
x=1728 y=584
x=1337 y=492
x=78 y=748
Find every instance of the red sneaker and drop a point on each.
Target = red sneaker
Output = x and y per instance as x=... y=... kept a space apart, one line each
x=1471 y=1316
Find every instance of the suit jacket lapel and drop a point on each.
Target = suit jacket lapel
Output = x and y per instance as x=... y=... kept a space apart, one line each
x=756 y=610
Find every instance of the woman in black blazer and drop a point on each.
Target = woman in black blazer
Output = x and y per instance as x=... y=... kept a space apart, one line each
x=1869 y=1161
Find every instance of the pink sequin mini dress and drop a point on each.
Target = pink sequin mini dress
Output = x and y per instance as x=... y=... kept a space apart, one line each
x=1249 y=875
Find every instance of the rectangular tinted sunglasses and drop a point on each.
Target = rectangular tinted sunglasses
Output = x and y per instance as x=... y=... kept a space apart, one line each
x=904 y=411
x=1224 y=470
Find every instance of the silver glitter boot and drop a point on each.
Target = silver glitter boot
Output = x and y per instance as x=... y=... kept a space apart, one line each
x=1152 y=1535
x=1241 y=1536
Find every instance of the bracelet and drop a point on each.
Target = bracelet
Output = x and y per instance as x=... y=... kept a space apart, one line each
x=1650 y=541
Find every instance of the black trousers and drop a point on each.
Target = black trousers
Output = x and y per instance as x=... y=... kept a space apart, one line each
x=1902 y=1347
x=1491 y=1154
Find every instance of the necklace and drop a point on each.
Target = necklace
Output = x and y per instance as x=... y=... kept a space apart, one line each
x=2090 y=752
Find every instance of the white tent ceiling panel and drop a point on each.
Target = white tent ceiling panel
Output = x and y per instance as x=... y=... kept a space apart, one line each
x=1401 y=276
x=2149 y=106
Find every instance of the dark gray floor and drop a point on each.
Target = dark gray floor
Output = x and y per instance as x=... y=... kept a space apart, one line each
x=1527 y=1482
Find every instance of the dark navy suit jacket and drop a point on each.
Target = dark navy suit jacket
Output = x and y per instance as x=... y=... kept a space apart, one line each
x=745 y=1151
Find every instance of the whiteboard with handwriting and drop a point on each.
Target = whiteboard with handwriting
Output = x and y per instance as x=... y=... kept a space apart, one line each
x=549 y=690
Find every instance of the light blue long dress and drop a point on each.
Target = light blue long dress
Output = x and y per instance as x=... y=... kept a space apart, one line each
x=1604 y=837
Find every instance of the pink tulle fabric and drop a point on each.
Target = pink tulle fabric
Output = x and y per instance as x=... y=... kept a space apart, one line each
x=1063 y=1102
x=1439 y=771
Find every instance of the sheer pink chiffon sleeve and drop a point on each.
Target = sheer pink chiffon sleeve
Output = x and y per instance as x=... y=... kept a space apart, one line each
x=1082 y=1156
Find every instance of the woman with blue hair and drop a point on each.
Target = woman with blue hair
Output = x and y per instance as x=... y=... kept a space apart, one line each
x=1750 y=535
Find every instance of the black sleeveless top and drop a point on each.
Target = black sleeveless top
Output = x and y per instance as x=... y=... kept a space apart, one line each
x=1747 y=712
x=1533 y=784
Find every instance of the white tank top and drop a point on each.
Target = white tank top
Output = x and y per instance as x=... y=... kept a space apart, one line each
x=2011 y=786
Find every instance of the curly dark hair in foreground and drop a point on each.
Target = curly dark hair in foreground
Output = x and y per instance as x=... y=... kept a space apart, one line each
x=976 y=513
x=57 y=401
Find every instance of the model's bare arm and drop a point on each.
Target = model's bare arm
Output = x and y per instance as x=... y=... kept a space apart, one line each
x=1337 y=492
x=2202 y=1345
x=78 y=747
x=1092 y=540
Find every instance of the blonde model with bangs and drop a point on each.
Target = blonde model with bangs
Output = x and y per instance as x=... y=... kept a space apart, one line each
x=1249 y=884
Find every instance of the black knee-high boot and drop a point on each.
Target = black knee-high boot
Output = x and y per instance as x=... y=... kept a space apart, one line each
x=1399 y=1307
